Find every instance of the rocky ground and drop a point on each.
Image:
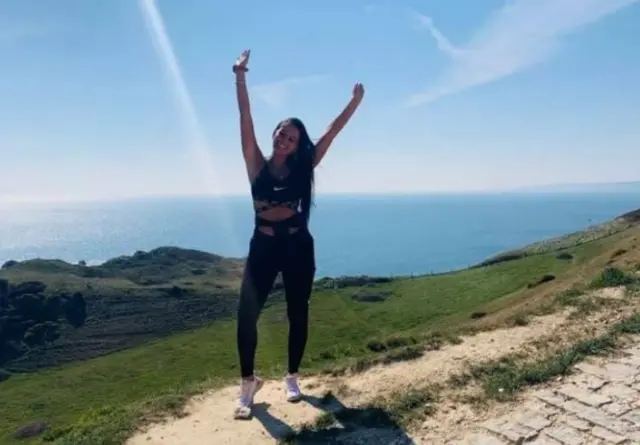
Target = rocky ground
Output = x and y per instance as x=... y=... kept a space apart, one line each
x=598 y=405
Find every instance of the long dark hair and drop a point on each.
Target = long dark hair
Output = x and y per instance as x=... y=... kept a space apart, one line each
x=300 y=164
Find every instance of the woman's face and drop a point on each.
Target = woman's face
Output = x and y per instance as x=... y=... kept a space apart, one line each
x=285 y=140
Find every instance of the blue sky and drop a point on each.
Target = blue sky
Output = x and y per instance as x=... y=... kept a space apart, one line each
x=460 y=95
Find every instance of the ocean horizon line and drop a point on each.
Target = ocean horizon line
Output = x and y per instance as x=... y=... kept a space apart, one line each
x=524 y=191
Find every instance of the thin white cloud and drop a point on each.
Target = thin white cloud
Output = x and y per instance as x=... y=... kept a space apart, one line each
x=17 y=32
x=275 y=94
x=370 y=8
x=520 y=35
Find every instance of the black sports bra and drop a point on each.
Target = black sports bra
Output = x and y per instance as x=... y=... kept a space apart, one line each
x=275 y=192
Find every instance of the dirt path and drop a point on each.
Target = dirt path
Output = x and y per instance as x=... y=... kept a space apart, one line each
x=209 y=418
x=577 y=414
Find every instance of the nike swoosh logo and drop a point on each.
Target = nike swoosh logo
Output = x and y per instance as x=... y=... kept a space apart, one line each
x=277 y=189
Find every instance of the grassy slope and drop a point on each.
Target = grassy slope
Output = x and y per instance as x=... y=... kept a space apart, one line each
x=130 y=300
x=340 y=327
x=589 y=234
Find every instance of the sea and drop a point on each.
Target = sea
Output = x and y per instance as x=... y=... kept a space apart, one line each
x=354 y=234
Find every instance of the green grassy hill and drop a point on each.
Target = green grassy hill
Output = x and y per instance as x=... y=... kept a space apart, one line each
x=354 y=323
x=127 y=301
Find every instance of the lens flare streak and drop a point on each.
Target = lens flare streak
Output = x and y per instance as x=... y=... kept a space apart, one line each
x=197 y=140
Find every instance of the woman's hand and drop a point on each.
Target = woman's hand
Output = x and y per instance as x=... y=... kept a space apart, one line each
x=358 y=92
x=242 y=61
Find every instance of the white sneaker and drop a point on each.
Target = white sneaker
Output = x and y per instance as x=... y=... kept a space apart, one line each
x=248 y=390
x=292 y=389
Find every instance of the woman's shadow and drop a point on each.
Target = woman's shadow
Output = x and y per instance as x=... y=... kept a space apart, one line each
x=338 y=425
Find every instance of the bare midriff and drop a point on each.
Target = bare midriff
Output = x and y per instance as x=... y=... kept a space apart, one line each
x=274 y=214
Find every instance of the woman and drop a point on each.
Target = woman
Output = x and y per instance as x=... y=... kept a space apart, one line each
x=281 y=187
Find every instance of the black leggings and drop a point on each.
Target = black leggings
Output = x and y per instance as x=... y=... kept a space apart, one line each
x=293 y=255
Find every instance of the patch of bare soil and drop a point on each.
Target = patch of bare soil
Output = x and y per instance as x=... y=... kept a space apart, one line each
x=209 y=418
x=463 y=409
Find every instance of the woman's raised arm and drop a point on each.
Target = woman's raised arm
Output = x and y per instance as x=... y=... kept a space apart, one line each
x=323 y=144
x=253 y=157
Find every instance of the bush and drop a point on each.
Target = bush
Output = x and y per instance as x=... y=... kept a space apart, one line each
x=357 y=281
x=4 y=375
x=544 y=279
x=370 y=297
x=9 y=264
x=503 y=258
x=612 y=277
x=618 y=253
